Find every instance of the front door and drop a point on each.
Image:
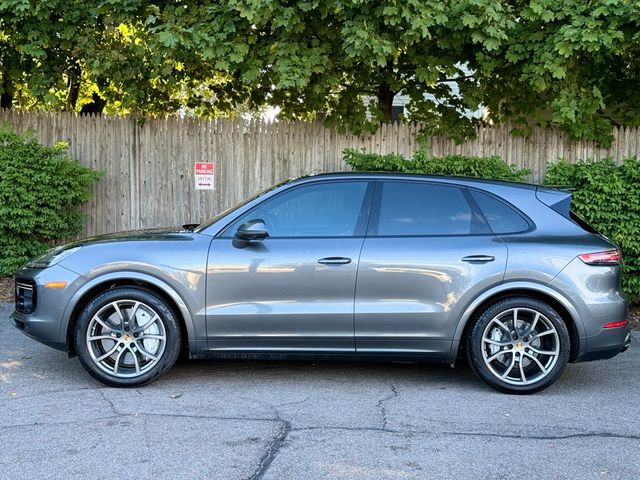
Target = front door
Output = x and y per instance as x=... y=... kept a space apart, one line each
x=294 y=290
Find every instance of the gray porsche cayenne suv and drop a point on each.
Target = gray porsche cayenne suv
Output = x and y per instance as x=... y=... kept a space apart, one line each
x=367 y=266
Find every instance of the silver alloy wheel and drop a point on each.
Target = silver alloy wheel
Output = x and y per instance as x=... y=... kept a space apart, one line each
x=520 y=346
x=126 y=338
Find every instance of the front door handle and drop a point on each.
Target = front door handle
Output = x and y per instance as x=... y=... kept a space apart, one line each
x=334 y=260
x=478 y=259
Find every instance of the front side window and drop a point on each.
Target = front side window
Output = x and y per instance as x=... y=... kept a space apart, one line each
x=332 y=209
x=414 y=209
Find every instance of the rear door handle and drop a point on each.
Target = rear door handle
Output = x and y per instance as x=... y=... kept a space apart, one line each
x=478 y=259
x=334 y=260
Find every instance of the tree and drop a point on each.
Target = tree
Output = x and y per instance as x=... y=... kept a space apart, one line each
x=85 y=56
x=573 y=64
x=42 y=45
x=318 y=56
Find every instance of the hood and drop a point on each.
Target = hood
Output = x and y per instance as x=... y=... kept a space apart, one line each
x=57 y=254
x=155 y=234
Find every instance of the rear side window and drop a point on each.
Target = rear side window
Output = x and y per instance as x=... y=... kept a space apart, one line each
x=501 y=217
x=415 y=209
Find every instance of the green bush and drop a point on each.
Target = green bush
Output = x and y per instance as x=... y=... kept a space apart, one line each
x=608 y=197
x=482 y=167
x=39 y=188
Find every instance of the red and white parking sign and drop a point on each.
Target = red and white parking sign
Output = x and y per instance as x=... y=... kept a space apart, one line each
x=205 y=175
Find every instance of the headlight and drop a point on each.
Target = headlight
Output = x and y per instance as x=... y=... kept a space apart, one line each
x=53 y=256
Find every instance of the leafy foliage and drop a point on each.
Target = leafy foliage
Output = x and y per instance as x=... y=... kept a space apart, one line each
x=608 y=197
x=89 y=56
x=325 y=57
x=481 y=167
x=573 y=64
x=39 y=188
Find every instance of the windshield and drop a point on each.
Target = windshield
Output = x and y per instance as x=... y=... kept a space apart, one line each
x=210 y=222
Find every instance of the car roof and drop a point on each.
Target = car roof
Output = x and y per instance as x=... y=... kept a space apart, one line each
x=458 y=180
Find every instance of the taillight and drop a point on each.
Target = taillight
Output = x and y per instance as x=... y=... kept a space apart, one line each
x=621 y=323
x=610 y=257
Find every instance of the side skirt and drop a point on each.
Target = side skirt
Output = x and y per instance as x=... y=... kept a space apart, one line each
x=320 y=356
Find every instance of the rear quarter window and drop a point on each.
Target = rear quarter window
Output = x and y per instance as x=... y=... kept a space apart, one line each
x=583 y=223
x=501 y=217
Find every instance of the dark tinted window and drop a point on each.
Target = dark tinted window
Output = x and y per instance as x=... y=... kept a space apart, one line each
x=501 y=217
x=318 y=210
x=583 y=223
x=411 y=208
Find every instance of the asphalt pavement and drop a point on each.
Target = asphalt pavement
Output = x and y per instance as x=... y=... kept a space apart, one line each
x=311 y=420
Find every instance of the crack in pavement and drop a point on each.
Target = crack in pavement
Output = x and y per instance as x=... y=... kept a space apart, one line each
x=109 y=401
x=48 y=392
x=476 y=434
x=140 y=414
x=380 y=404
x=71 y=422
x=288 y=428
x=274 y=447
x=282 y=437
x=272 y=451
x=288 y=404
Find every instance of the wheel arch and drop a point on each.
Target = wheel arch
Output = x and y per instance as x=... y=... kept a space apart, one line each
x=557 y=301
x=127 y=279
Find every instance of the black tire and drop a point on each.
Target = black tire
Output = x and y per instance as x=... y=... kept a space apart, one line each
x=504 y=361
x=132 y=363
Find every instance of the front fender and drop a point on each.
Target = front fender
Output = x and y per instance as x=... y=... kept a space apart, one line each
x=138 y=276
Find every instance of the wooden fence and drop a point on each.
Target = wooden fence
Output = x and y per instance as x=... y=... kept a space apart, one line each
x=149 y=165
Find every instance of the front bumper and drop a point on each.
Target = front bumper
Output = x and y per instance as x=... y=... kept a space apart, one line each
x=44 y=324
x=38 y=329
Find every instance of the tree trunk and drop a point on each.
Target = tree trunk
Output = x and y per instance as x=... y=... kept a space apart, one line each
x=6 y=99
x=385 y=101
x=96 y=105
x=73 y=87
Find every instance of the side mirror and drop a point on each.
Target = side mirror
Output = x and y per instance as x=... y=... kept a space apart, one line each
x=252 y=230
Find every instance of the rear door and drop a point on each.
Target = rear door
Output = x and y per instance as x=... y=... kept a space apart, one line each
x=427 y=253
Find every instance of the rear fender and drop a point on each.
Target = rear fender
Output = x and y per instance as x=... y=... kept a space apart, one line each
x=504 y=289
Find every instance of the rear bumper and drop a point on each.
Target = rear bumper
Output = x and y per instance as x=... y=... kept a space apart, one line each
x=608 y=343
x=594 y=292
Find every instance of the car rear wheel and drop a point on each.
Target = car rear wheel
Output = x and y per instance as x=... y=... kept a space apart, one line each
x=127 y=337
x=519 y=345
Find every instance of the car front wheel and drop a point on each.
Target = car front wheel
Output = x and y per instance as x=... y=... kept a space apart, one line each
x=519 y=345
x=127 y=337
